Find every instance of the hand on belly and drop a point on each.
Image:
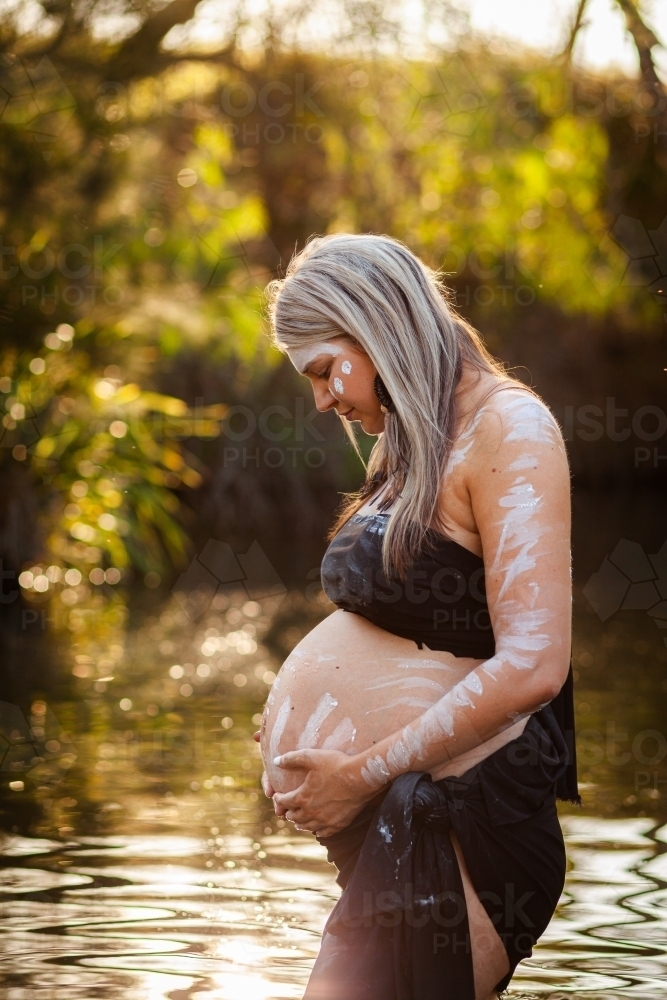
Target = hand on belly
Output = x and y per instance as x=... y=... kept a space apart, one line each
x=348 y=685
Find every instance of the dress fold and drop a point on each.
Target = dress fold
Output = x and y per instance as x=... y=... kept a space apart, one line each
x=400 y=928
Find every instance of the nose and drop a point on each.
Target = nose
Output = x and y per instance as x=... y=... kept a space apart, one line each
x=323 y=399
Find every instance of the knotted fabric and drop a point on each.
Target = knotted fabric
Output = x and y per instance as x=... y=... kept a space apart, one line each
x=400 y=929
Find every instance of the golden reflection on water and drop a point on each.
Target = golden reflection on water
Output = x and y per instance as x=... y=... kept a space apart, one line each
x=156 y=869
x=142 y=916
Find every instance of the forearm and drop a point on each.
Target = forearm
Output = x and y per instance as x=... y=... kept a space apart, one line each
x=487 y=701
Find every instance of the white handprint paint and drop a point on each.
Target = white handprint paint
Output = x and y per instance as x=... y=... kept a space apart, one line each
x=279 y=728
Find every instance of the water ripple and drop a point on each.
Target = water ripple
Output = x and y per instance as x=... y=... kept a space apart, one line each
x=143 y=916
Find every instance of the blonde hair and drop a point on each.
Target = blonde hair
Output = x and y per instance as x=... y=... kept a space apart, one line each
x=373 y=289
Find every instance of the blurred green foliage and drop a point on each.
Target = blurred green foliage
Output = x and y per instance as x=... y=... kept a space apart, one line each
x=149 y=191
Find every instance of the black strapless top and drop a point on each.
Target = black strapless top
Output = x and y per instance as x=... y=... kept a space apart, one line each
x=441 y=604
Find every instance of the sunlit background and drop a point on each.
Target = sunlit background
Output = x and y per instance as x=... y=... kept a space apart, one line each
x=166 y=486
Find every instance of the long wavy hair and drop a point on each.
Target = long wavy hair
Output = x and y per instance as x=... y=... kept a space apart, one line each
x=374 y=290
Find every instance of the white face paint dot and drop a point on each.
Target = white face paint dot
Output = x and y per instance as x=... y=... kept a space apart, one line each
x=338 y=385
x=346 y=367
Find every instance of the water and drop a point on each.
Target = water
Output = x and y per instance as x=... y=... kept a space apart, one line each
x=146 y=862
x=161 y=915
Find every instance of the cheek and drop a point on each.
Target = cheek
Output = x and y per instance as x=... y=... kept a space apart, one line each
x=349 y=380
x=337 y=386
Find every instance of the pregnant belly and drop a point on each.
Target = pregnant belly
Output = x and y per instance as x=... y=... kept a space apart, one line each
x=348 y=685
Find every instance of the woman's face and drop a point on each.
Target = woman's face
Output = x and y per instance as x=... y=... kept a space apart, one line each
x=341 y=374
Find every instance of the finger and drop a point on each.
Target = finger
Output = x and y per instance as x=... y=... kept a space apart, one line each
x=290 y=800
x=302 y=820
x=257 y=736
x=291 y=807
x=310 y=827
x=295 y=758
x=266 y=786
x=295 y=813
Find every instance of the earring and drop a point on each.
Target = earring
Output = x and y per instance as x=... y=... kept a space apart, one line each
x=386 y=402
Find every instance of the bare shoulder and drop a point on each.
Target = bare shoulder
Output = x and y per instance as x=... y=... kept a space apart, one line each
x=511 y=418
x=517 y=476
x=506 y=437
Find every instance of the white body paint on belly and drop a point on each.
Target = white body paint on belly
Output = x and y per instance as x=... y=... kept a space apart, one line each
x=359 y=677
x=422 y=664
x=408 y=682
x=342 y=737
x=279 y=727
x=413 y=702
x=309 y=737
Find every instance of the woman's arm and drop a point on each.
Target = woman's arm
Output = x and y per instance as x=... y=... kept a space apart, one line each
x=519 y=486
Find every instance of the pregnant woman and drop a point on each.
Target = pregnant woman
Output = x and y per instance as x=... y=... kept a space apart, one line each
x=423 y=731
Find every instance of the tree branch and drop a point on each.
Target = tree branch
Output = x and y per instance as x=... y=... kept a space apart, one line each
x=577 y=24
x=644 y=40
x=140 y=54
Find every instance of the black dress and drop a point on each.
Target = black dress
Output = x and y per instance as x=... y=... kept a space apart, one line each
x=400 y=928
